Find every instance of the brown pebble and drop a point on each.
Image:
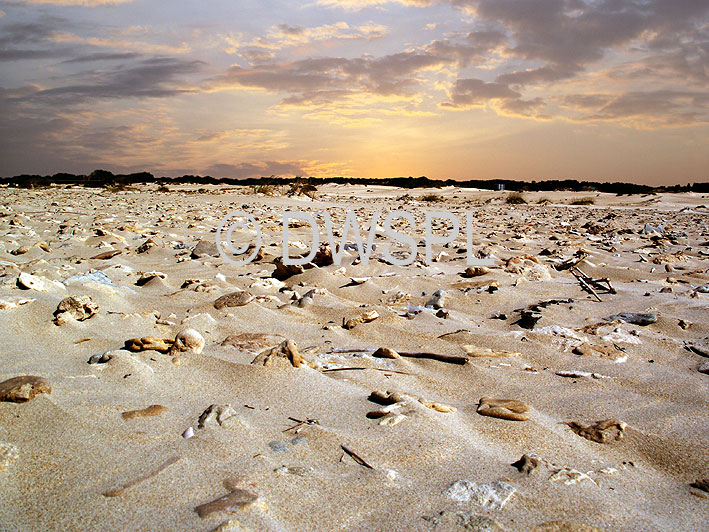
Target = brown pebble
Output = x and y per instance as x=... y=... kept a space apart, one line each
x=368 y=316
x=107 y=255
x=152 y=410
x=385 y=352
x=235 y=299
x=234 y=502
x=149 y=343
x=78 y=307
x=509 y=409
x=24 y=388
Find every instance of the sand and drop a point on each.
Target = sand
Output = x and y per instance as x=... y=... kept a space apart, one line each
x=272 y=444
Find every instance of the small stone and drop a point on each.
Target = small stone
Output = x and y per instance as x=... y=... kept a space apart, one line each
x=279 y=446
x=234 y=502
x=437 y=300
x=703 y=368
x=148 y=343
x=188 y=433
x=565 y=526
x=146 y=246
x=476 y=271
x=146 y=277
x=100 y=359
x=107 y=255
x=286 y=352
x=362 y=318
x=188 y=340
x=205 y=248
x=28 y=281
x=284 y=271
x=20 y=251
x=215 y=415
x=527 y=464
x=24 y=388
x=78 y=307
x=323 y=257
x=8 y=455
x=684 y=325
x=509 y=409
x=235 y=299
x=601 y=432
x=392 y=419
x=387 y=398
x=385 y=352
x=152 y=410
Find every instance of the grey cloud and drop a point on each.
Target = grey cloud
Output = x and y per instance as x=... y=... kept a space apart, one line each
x=30 y=40
x=468 y=92
x=102 y=57
x=155 y=77
x=654 y=108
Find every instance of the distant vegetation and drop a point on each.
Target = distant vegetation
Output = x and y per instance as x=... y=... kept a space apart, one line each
x=431 y=197
x=515 y=199
x=583 y=201
x=301 y=185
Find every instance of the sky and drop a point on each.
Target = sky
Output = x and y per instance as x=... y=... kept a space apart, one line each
x=605 y=90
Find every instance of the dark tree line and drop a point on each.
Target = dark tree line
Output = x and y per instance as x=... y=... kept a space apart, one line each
x=106 y=179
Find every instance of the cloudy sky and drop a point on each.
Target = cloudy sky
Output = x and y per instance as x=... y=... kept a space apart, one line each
x=520 y=89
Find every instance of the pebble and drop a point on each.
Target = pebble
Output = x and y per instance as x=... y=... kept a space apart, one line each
x=234 y=502
x=284 y=271
x=279 y=446
x=205 y=248
x=24 y=388
x=8 y=455
x=493 y=495
x=188 y=433
x=235 y=299
x=438 y=300
x=146 y=277
x=526 y=464
x=385 y=352
x=509 y=409
x=152 y=410
x=146 y=246
x=366 y=317
x=564 y=526
x=28 y=281
x=107 y=254
x=188 y=340
x=78 y=307
x=148 y=343
x=601 y=432
x=475 y=271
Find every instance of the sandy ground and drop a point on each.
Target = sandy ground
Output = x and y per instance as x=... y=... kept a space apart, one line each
x=72 y=461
